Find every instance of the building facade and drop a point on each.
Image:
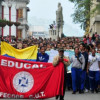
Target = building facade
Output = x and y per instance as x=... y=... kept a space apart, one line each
x=16 y=11
x=0 y=13
x=95 y=20
x=53 y=34
x=38 y=31
x=53 y=31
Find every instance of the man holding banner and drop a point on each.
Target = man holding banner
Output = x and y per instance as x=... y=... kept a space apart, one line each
x=21 y=79
x=66 y=62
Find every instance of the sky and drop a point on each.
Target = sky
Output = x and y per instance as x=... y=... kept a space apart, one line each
x=43 y=13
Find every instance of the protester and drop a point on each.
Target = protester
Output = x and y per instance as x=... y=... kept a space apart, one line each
x=61 y=58
x=42 y=56
x=94 y=71
x=87 y=85
x=68 y=43
x=78 y=64
x=83 y=74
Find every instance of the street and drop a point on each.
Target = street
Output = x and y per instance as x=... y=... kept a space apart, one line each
x=85 y=96
x=69 y=96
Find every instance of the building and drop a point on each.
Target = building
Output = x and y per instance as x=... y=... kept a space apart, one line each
x=38 y=31
x=53 y=32
x=95 y=20
x=15 y=11
x=0 y=14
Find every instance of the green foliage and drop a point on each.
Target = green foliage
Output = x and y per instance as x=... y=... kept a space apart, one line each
x=82 y=12
x=3 y=20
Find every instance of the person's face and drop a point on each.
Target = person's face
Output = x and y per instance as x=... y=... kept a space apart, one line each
x=42 y=50
x=58 y=45
x=76 y=50
x=41 y=44
x=87 y=50
x=61 y=53
x=98 y=46
x=98 y=51
x=71 y=44
x=25 y=46
x=81 y=47
x=93 y=52
x=67 y=47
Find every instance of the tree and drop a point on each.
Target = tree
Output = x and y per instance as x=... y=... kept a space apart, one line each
x=83 y=13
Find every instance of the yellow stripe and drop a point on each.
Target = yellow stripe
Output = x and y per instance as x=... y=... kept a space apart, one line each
x=27 y=53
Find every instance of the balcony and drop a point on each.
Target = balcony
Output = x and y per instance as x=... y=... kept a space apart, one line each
x=27 y=1
x=22 y=20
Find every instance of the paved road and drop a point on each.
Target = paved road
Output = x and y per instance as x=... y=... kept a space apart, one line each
x=70 y=96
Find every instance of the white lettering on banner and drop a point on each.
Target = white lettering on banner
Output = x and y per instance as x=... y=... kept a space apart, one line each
x=38 y=95
x=10 y=63
x=38 y=66
x=35 y=66
x=6 y=95
x=26 y=66
x=14 y=96
x=4 y=62
x=21 y=65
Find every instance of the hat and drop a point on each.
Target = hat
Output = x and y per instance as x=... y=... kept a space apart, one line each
x=60 y=49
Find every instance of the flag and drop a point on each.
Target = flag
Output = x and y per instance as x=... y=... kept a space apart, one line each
x=32 y=80
x=29 y=53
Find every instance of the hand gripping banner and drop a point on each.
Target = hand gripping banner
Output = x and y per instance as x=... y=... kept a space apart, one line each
x=27 y=79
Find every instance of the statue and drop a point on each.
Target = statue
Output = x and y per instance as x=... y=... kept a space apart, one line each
x=59 y=15
x=59 y=20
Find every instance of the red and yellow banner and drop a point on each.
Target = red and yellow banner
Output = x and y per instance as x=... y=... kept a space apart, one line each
x=26 y=79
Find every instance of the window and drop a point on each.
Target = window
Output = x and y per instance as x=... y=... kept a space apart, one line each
x=19 y=33
x=34 y=33
x=41 y=33
x=20 y=13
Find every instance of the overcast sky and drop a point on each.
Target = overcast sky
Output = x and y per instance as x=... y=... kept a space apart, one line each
x=43 y=12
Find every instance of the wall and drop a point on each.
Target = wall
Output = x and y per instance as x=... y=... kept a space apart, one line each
x=0 y=15
x=94 y=20
x=38 y=31
x=53 y=34
x=16 y=4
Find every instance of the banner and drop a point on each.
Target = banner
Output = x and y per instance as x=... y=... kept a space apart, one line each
x=52 y=53
x=26 y=79
x=29 y=53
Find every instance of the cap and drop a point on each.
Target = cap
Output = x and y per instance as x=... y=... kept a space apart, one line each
x=60 y=49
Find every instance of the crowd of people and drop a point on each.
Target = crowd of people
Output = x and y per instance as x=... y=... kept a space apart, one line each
x=85 y=71
x=65 y=42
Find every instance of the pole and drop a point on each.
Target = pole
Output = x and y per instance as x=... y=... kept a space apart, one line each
x=16 y=26
x=2 y=18
x=9 y=26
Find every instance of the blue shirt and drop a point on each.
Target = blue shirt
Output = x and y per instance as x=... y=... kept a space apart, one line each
x=42 y=57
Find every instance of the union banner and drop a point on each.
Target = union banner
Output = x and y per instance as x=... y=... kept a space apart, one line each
x=27 y=79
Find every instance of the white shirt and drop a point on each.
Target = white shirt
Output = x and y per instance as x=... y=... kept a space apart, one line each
x=94 y=65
